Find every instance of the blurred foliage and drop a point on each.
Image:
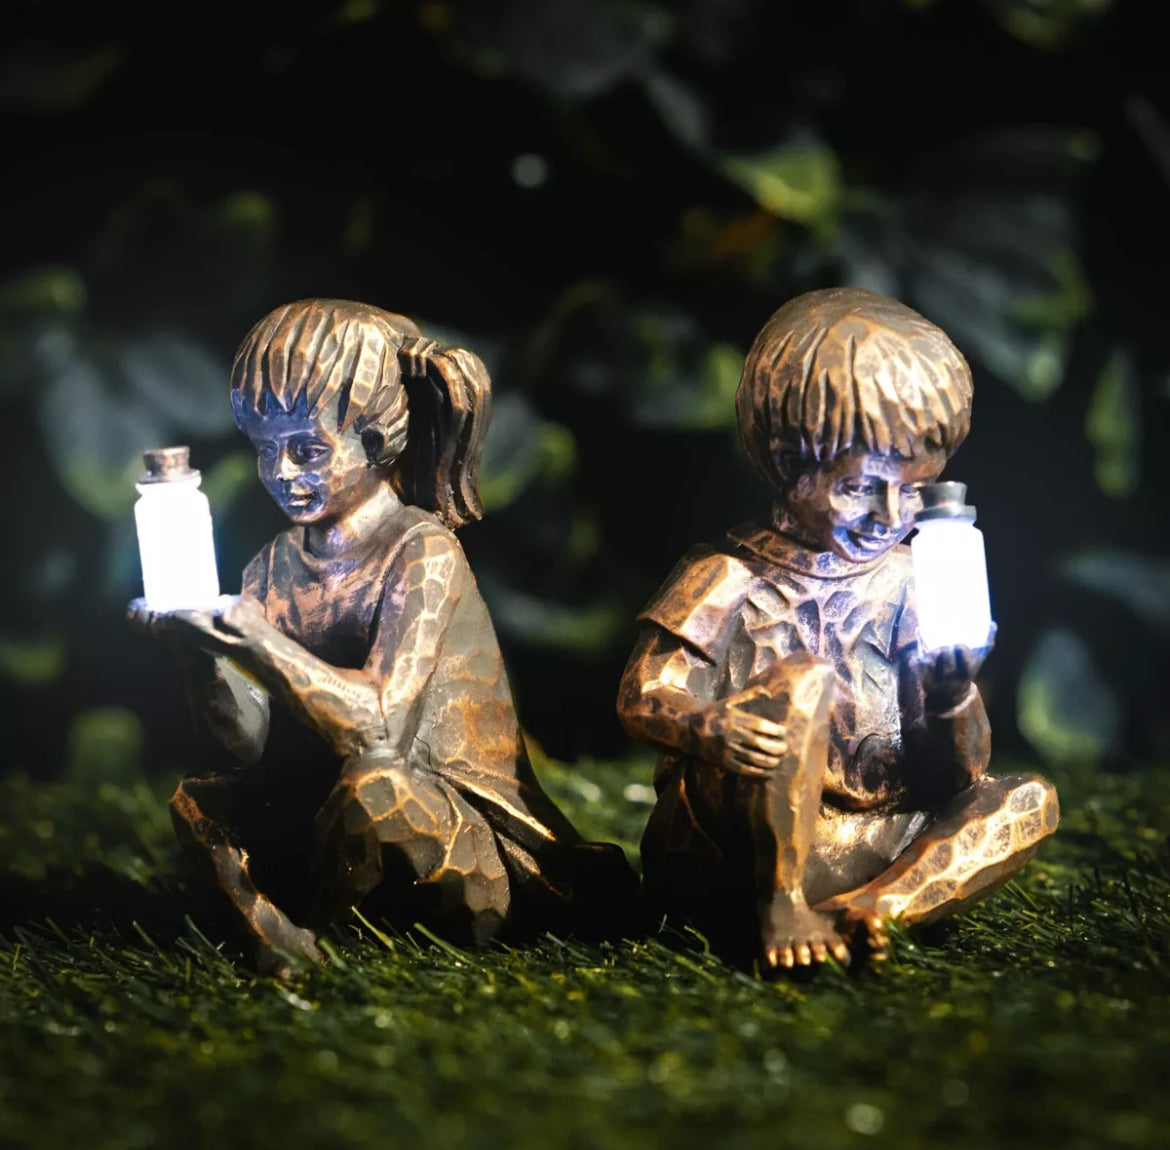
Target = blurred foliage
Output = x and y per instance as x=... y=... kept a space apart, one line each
x=1068 y=711
x=1048 y=23
x=604 y=199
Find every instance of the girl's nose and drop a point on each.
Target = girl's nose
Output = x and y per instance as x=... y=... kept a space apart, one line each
x=284 y=467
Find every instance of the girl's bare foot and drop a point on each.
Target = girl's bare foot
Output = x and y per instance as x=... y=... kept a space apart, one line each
x=285 y=953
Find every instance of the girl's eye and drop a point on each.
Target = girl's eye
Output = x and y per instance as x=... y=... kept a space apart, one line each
x=308 y=452
x=909 y=491
x=860 y=489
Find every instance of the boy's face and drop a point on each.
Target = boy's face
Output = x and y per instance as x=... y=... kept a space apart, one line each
x=313 y=471
x=860 y=504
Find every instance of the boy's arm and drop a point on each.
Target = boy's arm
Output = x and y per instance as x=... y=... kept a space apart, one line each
x=948 y=737
x=667 y=697
x=665 y=692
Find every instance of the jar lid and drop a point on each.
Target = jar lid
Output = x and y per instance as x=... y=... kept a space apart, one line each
x=168 y=465
x=944 y=501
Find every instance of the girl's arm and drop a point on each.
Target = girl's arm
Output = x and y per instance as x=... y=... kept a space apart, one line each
x=232 y=707
x=224 y=701
x=340 y=704
x=421 y=589
x=353 y=709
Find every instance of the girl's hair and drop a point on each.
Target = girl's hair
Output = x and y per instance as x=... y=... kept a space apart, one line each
x=835 y=368
x=422 y=410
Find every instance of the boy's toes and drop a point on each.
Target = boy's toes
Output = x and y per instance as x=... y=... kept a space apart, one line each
x=779 y=957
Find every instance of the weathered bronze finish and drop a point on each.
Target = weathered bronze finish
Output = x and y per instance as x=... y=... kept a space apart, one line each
x=819 y=773
x=365 y=622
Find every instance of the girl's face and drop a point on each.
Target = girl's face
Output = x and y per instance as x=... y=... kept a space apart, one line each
x=313 y=471
x=860 y=504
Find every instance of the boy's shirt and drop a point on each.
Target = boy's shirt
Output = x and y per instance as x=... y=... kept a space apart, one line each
x=757 y=596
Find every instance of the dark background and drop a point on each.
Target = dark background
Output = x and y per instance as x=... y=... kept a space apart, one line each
x=605 y=200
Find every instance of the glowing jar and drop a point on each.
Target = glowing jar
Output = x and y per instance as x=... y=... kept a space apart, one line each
x=174 y=534
x=950 y=571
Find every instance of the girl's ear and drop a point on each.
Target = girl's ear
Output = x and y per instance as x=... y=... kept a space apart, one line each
x=374 y=443
x=450 y=405
x=803 y=486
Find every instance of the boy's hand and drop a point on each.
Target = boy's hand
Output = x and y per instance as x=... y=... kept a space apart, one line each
x=741 y=742
x=947 y=674
x=141 y=617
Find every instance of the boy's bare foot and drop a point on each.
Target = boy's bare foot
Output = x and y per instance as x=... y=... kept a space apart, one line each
x=792 y=934
x=285 y=953
x=865 y=929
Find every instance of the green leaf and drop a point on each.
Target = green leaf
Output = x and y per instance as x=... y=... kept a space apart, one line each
x=1047 y=24
x=522 y=449
x=1065 y=707
x=248 y=213
x=105 y=745
x=1113 y=425
x=228 y=478
x=799 y=182
x=52 y=289
x=33 y=661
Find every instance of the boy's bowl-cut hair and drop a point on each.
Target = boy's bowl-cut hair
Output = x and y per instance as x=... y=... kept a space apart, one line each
x=844 y=367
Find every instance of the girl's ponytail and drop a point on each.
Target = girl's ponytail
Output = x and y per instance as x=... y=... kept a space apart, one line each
x=449 y=398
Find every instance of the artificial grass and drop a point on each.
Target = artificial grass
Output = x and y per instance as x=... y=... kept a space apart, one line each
x=1039 y=1019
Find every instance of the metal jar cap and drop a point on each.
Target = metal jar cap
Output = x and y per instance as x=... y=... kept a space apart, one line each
x=168 y=465
x=944 y=501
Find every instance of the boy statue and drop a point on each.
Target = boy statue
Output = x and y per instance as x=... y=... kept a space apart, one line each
x=819 y=773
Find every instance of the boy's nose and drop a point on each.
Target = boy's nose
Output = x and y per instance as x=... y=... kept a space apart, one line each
x=891 y=506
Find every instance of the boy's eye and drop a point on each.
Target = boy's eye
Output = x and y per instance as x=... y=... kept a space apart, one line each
x=909 y=491
x=860 y=488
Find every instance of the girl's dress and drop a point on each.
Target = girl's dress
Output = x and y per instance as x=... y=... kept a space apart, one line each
x=403 y=606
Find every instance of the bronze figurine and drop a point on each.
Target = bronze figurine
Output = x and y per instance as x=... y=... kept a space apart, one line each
x=818 y=772
x=365 y=622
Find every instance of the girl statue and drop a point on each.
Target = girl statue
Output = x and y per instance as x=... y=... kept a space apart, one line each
x=363 y=621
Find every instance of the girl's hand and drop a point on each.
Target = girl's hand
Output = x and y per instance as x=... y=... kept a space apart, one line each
x=740 y=741
x=245 y=619
x=240 y=627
